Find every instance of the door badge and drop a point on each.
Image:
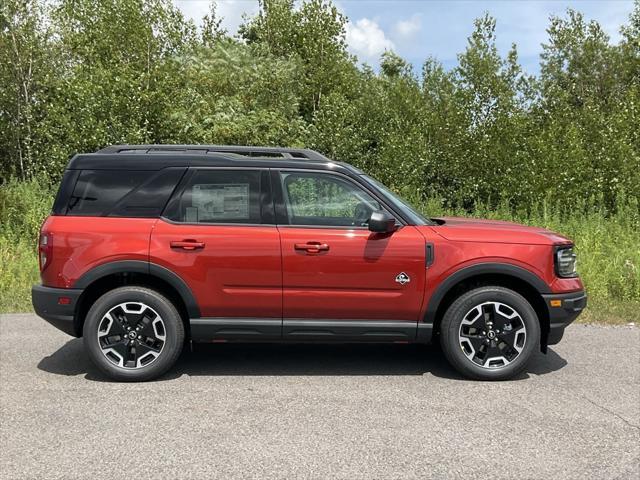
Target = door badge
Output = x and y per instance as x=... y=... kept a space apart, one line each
x=403 y=278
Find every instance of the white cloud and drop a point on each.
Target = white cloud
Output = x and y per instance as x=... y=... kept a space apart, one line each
x=193 y=9
x=405 y=29
x=367 y=40
x=231 y=11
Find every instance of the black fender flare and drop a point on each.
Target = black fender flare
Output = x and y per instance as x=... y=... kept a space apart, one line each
x=147 y=268
x=464 y=273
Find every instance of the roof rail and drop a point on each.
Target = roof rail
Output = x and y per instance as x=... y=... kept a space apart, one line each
x=245 y=151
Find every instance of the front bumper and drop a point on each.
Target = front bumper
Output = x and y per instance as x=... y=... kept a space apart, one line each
x=563 y=309
x=46 y=303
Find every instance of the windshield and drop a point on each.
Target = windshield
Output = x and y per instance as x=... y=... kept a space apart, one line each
x=399 y=203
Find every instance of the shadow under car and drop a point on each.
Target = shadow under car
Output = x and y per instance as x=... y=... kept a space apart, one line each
x=263 y=359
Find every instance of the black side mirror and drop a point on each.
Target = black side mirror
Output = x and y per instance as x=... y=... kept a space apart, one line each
x=382 y=222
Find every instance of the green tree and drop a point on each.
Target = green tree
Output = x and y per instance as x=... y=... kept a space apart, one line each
x=25 y=68
x=115 y=82
x=231 y=95
x=315 y=34
x=587 y=113
x=76 y=75
x=212 y=30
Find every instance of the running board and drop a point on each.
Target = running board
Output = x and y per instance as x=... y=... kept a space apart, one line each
x=300 y=329
x=348 y=330
x=249 y=329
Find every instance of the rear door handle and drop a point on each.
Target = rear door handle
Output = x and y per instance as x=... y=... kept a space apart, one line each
x=312 y=247
x=187 y=244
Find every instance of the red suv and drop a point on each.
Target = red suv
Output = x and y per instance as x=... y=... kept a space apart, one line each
x=150 y=246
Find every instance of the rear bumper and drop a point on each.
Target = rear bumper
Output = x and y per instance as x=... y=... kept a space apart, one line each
x=46 y=305
x=571 y=305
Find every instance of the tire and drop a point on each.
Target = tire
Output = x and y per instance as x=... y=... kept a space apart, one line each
x=490 y=333
x=133 y=334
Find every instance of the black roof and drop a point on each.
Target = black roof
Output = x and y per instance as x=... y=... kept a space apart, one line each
x=156 y=157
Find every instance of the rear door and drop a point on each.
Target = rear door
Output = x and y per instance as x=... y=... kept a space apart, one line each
x=218 y=235
x=339 y=279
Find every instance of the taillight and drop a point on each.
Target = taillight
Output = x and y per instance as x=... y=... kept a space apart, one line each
x=45 y=250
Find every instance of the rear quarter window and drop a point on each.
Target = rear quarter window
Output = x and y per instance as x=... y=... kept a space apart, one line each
x=97 y=191
x=122 y=193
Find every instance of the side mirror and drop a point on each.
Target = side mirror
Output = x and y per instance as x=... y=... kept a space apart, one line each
x=382 y=222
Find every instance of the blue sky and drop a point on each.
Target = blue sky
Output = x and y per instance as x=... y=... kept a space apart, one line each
x=417 y=29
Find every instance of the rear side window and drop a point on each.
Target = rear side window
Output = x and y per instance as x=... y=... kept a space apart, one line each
x=219 y=196
x=122 y=193
x=97 y=191
x=150 y=198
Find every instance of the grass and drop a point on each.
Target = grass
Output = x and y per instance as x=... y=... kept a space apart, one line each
x=18 y=271
x=608 y=246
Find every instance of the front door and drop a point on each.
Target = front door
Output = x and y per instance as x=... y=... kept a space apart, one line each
x=339 y=278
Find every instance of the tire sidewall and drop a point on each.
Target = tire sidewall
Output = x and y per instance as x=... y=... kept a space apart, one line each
x=172 y=322
x=451 y=328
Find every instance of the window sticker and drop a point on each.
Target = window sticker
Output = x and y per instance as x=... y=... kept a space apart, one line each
x=221 y=200
x=191 y=215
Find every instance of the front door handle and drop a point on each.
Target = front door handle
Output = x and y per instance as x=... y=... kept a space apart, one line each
x=187 y=244
x=312 y=247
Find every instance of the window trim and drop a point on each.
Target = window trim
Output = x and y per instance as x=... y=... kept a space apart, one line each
x=267 y=215
x=282 y=216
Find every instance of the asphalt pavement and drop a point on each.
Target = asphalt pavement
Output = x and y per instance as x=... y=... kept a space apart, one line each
x=319 y=411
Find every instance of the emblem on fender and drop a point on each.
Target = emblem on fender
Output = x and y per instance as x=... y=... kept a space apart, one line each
x=403 y=278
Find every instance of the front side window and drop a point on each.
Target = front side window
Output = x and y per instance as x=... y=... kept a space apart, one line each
x=219 y=196
x=396 y=201
x=322 y=199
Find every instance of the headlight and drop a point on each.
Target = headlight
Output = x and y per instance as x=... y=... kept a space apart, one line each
x=565 y=262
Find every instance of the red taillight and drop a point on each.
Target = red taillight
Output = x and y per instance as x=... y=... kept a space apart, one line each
x=45 y=250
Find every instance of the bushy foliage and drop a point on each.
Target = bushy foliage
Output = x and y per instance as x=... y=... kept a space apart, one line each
x=76 y=75
x=481 y=138
x=234 y=96
x=23 y=207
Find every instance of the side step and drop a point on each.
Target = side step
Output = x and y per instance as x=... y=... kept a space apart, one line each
x=303 y=330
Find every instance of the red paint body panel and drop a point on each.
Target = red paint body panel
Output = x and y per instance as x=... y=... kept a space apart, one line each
x=256 y=271
x=452 y=256
x=355 y=278
x=82 y=243
x=238 y=272
x=496 y=231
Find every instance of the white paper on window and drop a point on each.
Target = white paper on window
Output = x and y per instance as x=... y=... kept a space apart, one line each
x=220 y=201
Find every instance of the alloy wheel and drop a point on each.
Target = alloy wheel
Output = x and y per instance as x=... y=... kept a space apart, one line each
x=131 y=335
x=492 y=335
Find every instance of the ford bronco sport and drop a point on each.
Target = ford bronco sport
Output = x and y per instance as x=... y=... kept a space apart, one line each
x=151 y=246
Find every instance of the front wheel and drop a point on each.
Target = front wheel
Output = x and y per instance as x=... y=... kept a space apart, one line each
x=490 y=333
x=133 y=334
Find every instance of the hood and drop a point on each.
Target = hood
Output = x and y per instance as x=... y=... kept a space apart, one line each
x=459 y=229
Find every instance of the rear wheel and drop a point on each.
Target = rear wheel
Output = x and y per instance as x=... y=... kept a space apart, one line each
x=133 y=334
x=490 y=333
